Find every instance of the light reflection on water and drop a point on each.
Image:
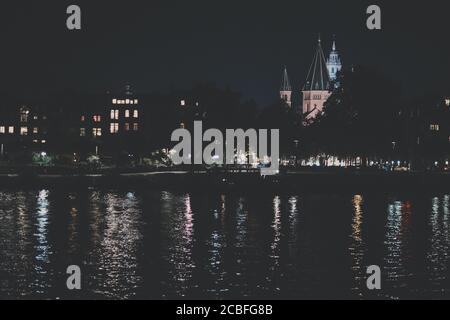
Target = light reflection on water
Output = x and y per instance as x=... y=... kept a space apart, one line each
x=149 y=244
x=357 y=247
x=397 y=259
x=118 y=252
x=438 y=255
x=42 y=246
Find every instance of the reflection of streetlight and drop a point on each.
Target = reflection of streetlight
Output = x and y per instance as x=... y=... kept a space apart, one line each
x=1 y=150
x=393 y=145
x=296 y=143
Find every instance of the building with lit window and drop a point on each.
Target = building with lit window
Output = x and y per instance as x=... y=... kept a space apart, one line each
x=124 y=114
x=23 y=128
x=317 y=88
x=428 y=134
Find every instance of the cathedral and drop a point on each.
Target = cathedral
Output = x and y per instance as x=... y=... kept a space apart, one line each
x=318 y=84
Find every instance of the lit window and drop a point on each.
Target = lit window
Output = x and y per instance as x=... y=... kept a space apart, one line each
x=82 y=132
x=114 y=101
x=127 y=127
x=11 y=130
x=182 y=103
x=24 y=115
x=447 y=102
x=2 y=129
x=135 y=101
x=97 y=118
x=434 y=127
x=82 y=118
x=127 y=101
x=35 y=141
x=44 y=141
x=114 y=128
x=135 y=114
x=35 y=117
x=23 y=131
x=35 y=130
x=115 y=114
x=97 y=132
x=127 y=113
x=135 y=127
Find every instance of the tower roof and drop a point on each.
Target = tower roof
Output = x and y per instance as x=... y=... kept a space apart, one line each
x=285 y=85
x=318 y=77
x=334 y=55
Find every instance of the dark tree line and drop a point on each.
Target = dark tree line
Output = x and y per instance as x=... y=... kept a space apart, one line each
x=359 y=118
x=365 y=117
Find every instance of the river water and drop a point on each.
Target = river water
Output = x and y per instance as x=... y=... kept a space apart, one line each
x=156 y=244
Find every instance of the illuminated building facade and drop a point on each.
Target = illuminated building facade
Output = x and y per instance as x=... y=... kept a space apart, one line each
x=111 y=122
x=334 y=64
x=123 y=118
x=120 y=118
x=317 y=87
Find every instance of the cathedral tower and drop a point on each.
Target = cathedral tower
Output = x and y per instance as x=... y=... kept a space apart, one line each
x=286 y=90
x=334 y=64
x=317 y=87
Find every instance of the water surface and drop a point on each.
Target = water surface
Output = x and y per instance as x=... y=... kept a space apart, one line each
x=147 y=244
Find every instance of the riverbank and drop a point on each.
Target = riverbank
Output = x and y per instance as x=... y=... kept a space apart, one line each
x=297 y=180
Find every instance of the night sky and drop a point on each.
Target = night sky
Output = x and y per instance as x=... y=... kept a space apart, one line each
x=157 y=45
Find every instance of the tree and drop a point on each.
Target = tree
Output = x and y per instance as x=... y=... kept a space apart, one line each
x=287 y=119
x=358 y=119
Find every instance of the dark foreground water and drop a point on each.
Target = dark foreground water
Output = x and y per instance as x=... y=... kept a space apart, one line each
x=158 y=245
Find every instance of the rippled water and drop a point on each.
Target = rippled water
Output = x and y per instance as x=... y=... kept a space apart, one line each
x=151 y=244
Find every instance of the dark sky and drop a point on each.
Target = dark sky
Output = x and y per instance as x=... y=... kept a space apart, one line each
x=156 y=45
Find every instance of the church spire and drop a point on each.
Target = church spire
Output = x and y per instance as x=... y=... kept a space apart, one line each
x=316 y=90
x=318 y=77
x=285 y=85
x=286 y=89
